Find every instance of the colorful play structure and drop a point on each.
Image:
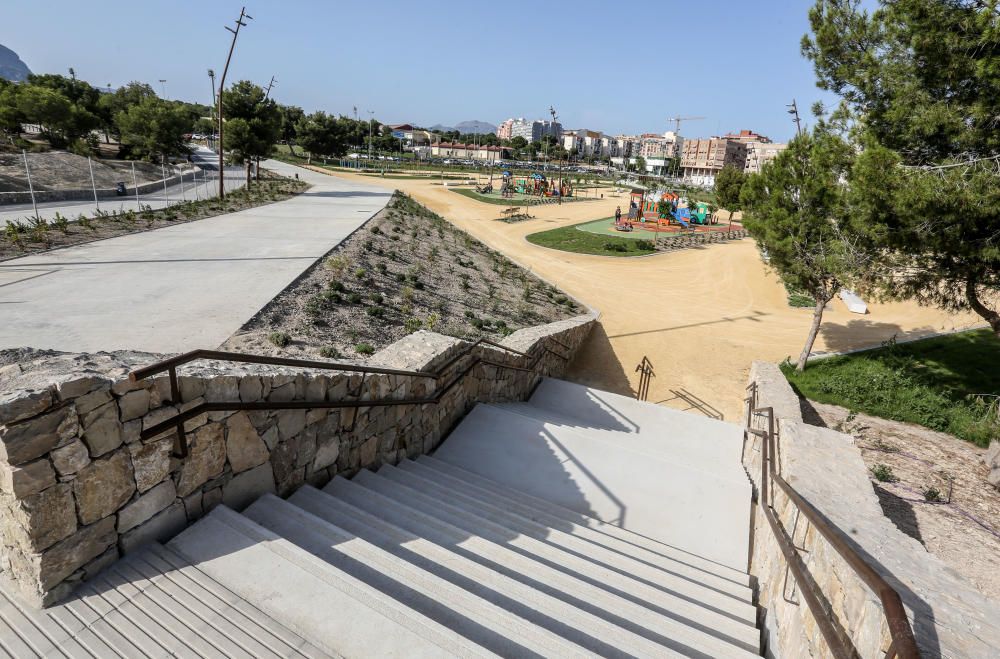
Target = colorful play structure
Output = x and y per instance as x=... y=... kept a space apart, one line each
x=667 y=210
x=534 y=184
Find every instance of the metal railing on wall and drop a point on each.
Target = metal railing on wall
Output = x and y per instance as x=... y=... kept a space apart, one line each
x=903 y=643
x=354 y=400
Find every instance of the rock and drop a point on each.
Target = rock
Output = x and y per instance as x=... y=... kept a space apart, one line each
x=102 y=431
x=992 y=456
x=211 y=499
x=191 y=388
x=42 y=519
x=251 y=389
x=134 y=404
x=71 y=458
x=270 y=437
x=244 y=447
x=193 y=506
x=368 y=452
x=19 y=405
x=151 y=462
x=327 y=452
x=245 y=488
x=27 y=479
x=146 y=506
x=993 y=478
x=291 y=423
x=206 y=458
x=72 y=553
x=160 y=528
x=131 y=431
x=283 y=460
x=159 y=414
x=103 y=486
x=79 y=387
x=93 y=400
x=224 y=388
x=35 y=437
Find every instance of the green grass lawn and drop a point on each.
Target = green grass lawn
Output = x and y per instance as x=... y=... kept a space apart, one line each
x=929 y=382
x=572 y=239
x=517 y=200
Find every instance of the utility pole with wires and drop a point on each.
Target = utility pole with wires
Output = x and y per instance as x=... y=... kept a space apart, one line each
x=793 y=110
x=163 y=86
x=211 y=76
x=267 y=92
x=222 y=86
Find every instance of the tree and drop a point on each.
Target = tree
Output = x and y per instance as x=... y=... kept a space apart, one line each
x=111 y=105
x=11 y=116
x=153 y=127
x=51 y=110
x=83 y=103
x=796 y=210
x=640 y=165
x=322 y=134
x=729 y=183
x=921 y=80
x=291 y=115
x=253 y=123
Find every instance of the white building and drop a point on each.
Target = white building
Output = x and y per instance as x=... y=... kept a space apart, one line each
x=761 y=153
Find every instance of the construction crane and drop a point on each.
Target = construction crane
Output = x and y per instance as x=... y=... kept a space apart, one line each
x=677 y=122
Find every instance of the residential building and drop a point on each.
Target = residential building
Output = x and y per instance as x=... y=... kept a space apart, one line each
x=761 y=153
x=747 y=136
x=504 y=130
x=413 y=137
x=533 y=131
x=584 y=143
x=702 y=159
x=469 y=151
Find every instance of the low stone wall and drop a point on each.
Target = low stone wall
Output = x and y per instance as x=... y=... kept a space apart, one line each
x=78 y=487
x=85 y=194
x=694 y=240
x=950 y=618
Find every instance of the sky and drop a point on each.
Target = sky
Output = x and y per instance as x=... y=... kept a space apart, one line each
x=617 y=67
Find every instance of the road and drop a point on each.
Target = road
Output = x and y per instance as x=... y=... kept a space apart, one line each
x=201 y=185
x=181 y=287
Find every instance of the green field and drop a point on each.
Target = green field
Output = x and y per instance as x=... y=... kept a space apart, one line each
x=929 y=382
x=573 y=239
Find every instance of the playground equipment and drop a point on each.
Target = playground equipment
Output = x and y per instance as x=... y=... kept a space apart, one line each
x=536 y=184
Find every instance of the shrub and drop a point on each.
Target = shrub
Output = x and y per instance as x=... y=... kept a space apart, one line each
x=382 y=268
x=280 y=339
x=364 y=349
x=412 y=324
x=407 y=294
x=336 y=286
x=376 y=298
x=932 y=495
x=376 y=230
x=333 y=296
x=354 y=298
x=329 y=352
x=375 y=312
x=801 y=300
x=432 y=321
x=368 y=245
x=400 y=277
x=883 y=473
x=337 y=264
x=615 y=247
x=359 y=273
x=645 y=245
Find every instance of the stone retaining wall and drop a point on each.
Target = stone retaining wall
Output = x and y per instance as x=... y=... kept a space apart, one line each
x=950 y=618
x=78 y=487
x=705 y=238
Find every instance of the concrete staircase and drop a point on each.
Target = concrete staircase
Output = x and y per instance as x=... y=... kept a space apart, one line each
x=577 y=524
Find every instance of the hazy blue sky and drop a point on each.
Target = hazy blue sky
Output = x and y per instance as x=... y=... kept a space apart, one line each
x=613 y=66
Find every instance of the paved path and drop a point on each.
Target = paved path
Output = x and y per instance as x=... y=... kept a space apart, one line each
x=182 y=287
x=198 y=185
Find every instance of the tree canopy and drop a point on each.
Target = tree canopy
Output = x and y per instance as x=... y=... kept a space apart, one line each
x=153 y=127
x=729 y=184
x=253 y=122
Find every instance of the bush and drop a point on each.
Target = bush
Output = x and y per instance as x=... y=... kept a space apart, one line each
x=883 y=473
x=615 y=247
x=375 y=312
x=329 y=352
x=364 y=349
x=376 y=298
x=412 y=325
x=801 y=300
x=280 y=339
x=337 y=264
x=354 y=298
x=336 y=286
x=359 y=273
x=645 y=245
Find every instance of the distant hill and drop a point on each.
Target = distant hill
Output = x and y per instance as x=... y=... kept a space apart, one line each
x=11 y=66
x=467 y=127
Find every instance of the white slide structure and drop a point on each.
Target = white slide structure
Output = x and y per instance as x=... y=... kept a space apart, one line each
x=577 y=524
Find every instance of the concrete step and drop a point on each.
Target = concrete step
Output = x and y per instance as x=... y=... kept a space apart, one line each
x=334 y=610
x=607 y=591
x=621 y=537
x=713 y=612
x=473 y=617
x=585 y=629
x=672 y=503
x=701 y=586
x=143 y=605
x=602 y=409
x=682 y=438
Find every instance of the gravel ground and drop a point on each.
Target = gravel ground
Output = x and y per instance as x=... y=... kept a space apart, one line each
x=406 y=269
x=964 y=533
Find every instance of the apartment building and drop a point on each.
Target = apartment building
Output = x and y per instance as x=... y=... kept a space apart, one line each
x=533 y=131
x=504 y=130
x=584 y=143
x=761 y=153
x=702 y=159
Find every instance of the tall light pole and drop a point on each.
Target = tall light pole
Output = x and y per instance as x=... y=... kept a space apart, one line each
x=222 y=86
x=163 y=86
x=371 y=119
x=793 y=110
x=211 y=77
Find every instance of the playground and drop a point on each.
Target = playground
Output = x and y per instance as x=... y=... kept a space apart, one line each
x=646 y=230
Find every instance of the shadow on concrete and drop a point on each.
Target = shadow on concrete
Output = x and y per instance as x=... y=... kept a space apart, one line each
x=899 y=511
x=218 y=260
x=694 y=403
x=857 y=334
x=596 y=365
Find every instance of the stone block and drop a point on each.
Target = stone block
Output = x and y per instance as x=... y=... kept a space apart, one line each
x=993 y=478
x=206 y=458
x=42 y=519
x=291 y=423
x=193 y=506
x=27 y=479
x=146 y=506
x=225 y=388
x=245 y=488
x=72 y=553
x=251 y=389
x=131 y=431
x=244 y=447
x=992 y=456
x=71 y=458
x=93 y=400
x=79 y=387
x=211 y=499
x=327 y=452
x=316 y=388
x=282 y=394
x=151 y=462
x=102 y=431
x=163 y=526
x=19 y=405
x=369 y=449
x=190 y=387
x=283 y=459
x=33 y=438
x=158 y=415
x=134 y=404
x=103 y=486
x=270 y=437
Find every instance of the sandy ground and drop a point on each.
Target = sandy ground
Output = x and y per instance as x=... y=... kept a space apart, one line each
x=701 y=315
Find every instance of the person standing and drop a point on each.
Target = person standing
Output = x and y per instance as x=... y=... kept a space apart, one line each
x=618 y=215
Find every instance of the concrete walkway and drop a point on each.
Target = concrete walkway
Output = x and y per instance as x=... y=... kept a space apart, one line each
x=182 y=287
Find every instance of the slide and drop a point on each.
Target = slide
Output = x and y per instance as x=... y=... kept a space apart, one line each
x=683 y=216
x=854 y=303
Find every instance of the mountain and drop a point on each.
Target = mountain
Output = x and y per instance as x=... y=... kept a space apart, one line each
x=467 y=127
x=479 y=127
x=11 y=66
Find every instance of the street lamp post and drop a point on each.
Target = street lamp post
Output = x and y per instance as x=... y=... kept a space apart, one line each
x=371 y=119
x=222 y=86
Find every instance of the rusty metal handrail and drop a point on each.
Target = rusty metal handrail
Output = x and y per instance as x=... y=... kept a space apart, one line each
x=177 y=421
x=903 y=643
